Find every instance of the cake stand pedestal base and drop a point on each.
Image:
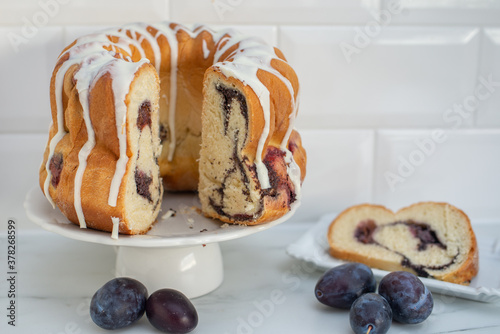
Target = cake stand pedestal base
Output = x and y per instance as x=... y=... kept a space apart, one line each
x=193 y=270
x=179 y=252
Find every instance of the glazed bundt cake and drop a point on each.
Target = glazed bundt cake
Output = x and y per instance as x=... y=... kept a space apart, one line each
x=147 y=106
x=429 y=239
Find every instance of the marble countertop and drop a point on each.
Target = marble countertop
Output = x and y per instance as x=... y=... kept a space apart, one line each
x=264 y=291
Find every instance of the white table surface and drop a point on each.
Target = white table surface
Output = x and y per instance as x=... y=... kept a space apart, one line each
x=58 y=276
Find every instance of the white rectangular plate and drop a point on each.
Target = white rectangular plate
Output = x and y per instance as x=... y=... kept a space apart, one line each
x=485 y=287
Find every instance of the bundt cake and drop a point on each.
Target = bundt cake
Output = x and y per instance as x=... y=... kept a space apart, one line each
x=429 y=239
x=146 y=106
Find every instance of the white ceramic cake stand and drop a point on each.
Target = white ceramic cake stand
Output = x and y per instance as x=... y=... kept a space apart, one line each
x=180 y=252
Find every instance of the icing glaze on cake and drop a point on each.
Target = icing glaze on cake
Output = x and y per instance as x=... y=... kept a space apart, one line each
x=121 y=52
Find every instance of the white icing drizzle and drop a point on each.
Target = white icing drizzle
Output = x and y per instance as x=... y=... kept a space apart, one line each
x=141 y=28
x=94 y=62
x=122 y=73
x=235 y=70
x=206 y=51
x=89 y=68
x=116 y=227
x=59 y=82
x=292 y=117
x=255 y=56
x=294 y=173
x=60 y=127
x=251 y=56
x=293 y=170
x=83 y=48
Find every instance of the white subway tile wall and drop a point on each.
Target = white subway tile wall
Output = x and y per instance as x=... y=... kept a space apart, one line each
x=81 y=12
x=26 y=71
x=339 y=171
x=489 y=106
x=376 y=76
x=275 y=12
x=406 y=77
x=453 y=12
x=457 y=166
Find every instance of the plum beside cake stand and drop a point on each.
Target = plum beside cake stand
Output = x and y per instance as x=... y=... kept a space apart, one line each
x=180 y=252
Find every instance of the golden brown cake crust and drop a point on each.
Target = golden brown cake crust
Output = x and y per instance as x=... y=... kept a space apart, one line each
x=100 y=163
x=277 y=206
x=462 y=275
x=273 y=207
x=181 y=172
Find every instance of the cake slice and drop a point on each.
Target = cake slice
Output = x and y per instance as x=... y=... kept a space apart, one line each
x=231 y=188
x=103 y=172
x=429 y=239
